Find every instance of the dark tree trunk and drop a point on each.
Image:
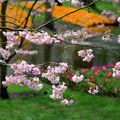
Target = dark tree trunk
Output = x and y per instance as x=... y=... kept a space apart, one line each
x=47 y=49
x=3 y=69
x=48 y=17
x=4 y=93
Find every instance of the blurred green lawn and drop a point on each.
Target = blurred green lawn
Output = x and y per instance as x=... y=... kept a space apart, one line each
x=86 y=107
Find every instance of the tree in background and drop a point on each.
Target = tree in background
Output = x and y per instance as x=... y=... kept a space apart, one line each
x=4 y=42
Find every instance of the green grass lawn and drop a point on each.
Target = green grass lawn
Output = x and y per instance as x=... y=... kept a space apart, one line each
x=86 y=107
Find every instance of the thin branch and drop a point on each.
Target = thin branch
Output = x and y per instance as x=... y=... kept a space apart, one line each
x=22 y=39
x=11 y=23
x=54 y=20
x=10 y=18
x=23 y=9
x=26 y=19
x=90 y=46
x=75 y=11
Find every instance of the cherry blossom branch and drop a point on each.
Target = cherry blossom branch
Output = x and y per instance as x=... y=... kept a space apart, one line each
x=90 y=46
x=26 y=19
x=22 y=39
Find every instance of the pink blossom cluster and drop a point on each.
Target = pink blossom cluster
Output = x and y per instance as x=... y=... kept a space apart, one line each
x=109 y=14
x=52 y=73
x=77 y=36
x=107 y=36
x=12 y=39
x=43 y=37
x=40 y=38
x=61 y=1
x=58 y=38
x=74 y=2
x=77 y=3
x=54 y=79
x=26 y=52
x=93 y=90
x=116 y=70
x=66 y=102
x=87 y=55
x=24 y=74
x=78 y=39
x=73 y=33
x=23 y=67
x=77 y=78
x=4 y=53
x=57 y=92
x=118 y=39
x=118 y=19
x=32 y=83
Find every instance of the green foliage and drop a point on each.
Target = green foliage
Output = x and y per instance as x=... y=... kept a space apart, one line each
x=102 y=77
x=108 y=6
x=86 y=107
